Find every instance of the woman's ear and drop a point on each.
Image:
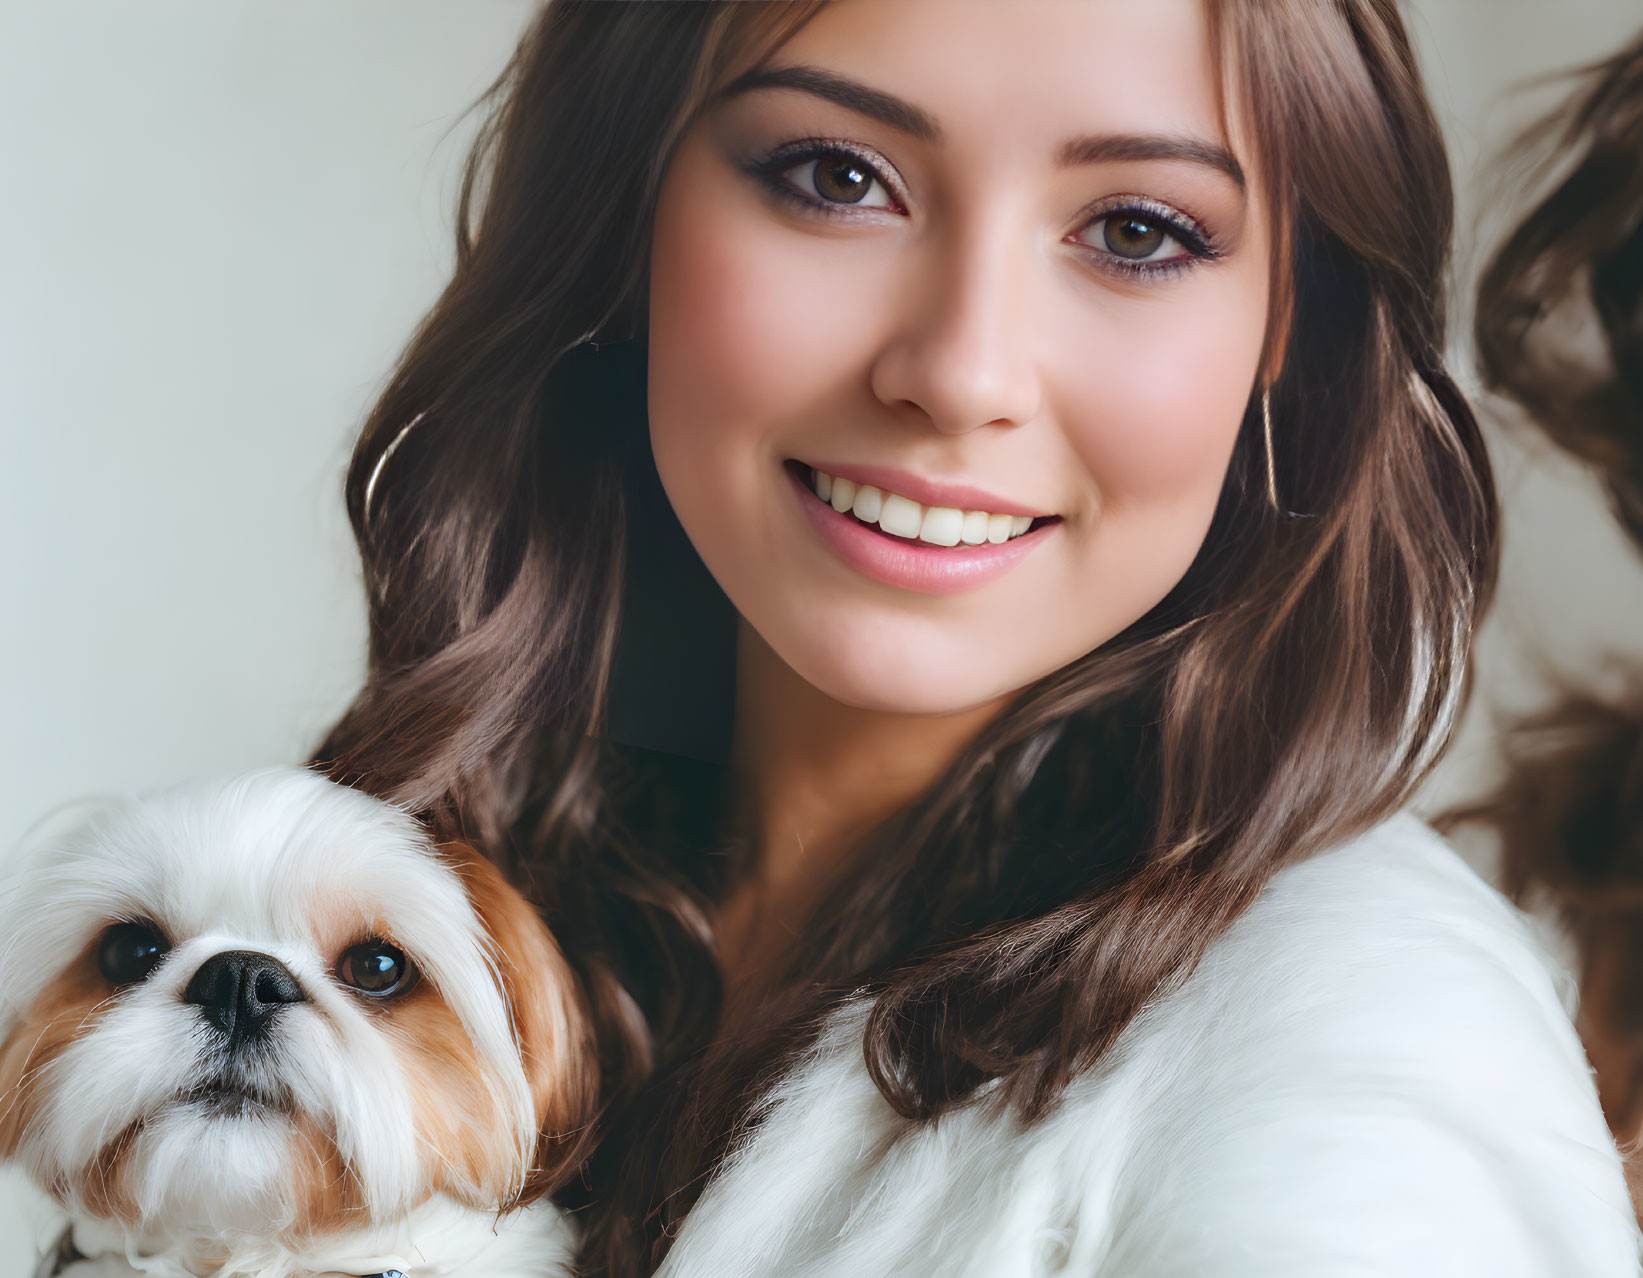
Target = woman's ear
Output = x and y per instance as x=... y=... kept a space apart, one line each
x=549 y=1015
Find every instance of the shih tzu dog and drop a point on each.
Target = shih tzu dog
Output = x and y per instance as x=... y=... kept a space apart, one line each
x=268 y=1028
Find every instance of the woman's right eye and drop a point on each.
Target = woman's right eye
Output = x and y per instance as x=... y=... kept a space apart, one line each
x=840 y=179
x=828 y=179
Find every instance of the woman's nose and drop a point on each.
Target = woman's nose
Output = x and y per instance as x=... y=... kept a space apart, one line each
x=959 y=350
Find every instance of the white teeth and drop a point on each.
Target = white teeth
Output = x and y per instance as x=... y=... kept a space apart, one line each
x=903 y=517
x=942 y=526
x=869 y=501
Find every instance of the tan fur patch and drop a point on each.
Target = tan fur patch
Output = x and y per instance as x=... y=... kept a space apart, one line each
x=467 y=1144
x=328 y=1196
x=550 y=1019
x=104 y=1187
x=66 y=1011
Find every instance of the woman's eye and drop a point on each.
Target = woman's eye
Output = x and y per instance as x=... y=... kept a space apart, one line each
x=376 y=969
x=1129 y=237
x=1132 y=237
x=838 y=178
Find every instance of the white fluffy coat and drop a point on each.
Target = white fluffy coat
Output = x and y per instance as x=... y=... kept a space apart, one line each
x=1372 y=1073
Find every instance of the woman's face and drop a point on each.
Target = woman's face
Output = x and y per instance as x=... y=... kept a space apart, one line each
x=985 y=265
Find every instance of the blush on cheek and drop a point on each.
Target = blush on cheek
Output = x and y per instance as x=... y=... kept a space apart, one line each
x=750 y=320
x=1150 y=394
x=703 y=376
x=1164 y=427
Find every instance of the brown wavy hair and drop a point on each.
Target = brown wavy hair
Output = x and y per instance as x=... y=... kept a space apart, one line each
x=1559 y=330
x=1085 y=849
x=1559 y=321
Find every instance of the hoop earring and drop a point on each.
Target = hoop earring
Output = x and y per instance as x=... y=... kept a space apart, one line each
x=376 y=470
x=1271 y=463
x=1278 y=507
x=369 y=497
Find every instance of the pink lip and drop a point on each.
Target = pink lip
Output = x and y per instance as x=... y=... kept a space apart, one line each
x=912 y=565
x=927 y=492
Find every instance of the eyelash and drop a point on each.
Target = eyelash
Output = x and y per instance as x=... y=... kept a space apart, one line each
x=1188 y=232
x=771 y=170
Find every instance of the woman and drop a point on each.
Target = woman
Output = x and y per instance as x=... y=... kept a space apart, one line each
x=997 y=875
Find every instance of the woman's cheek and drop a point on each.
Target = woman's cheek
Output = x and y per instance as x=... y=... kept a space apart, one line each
x=751 y=320
x=1155 y=419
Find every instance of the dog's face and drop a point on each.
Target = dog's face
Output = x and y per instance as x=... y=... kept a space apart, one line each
x=274 y=1007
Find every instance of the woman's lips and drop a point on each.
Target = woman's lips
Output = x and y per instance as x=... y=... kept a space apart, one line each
x=927 y=492
x=909 y=564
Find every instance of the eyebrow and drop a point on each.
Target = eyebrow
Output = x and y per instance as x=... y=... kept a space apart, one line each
x=1100 y=147
x=903 y=116
x=858 y=97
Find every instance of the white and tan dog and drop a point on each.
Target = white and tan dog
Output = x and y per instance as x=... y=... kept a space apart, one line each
x=268 y=1028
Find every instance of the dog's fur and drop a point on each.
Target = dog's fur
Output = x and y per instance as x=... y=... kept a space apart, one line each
x=355 y=1135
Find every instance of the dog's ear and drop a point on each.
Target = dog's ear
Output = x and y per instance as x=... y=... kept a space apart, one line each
x=549 y=1015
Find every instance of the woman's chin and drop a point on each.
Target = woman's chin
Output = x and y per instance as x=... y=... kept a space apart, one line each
x=900 y=679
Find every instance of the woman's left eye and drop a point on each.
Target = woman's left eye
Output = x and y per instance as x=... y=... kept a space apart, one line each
x=1140 y=239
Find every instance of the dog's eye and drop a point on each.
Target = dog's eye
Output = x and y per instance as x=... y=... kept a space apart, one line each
x=128 y=952
x=376 y=968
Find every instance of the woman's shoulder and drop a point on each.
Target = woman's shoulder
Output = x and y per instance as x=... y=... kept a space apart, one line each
x=1372 y=1072
x=1378 y=1049
x=1393 y=915
x=1389 y=951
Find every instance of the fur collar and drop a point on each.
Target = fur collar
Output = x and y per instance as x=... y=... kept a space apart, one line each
x=1373 y=1072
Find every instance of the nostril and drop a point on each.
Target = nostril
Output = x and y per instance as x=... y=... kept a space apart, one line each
x=276 y=985
x=239 y=991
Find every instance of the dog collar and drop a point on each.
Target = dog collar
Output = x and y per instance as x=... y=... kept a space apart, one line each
x=65 y=1253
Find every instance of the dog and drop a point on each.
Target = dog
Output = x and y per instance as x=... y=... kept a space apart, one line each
x=268 y=1028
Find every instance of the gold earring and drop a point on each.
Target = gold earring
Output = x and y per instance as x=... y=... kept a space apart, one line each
x=376 y=470
x=1271 y=465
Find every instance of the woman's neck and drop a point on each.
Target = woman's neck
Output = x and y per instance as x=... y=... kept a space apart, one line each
x=815 y=775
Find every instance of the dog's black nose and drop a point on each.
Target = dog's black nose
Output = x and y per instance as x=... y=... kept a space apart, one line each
x=239 y=991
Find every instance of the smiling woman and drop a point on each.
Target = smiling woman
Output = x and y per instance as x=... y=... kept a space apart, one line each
x=955 y=314
x=1044 y=904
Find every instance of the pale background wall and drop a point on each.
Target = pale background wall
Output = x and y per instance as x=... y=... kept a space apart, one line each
x=221 y=219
